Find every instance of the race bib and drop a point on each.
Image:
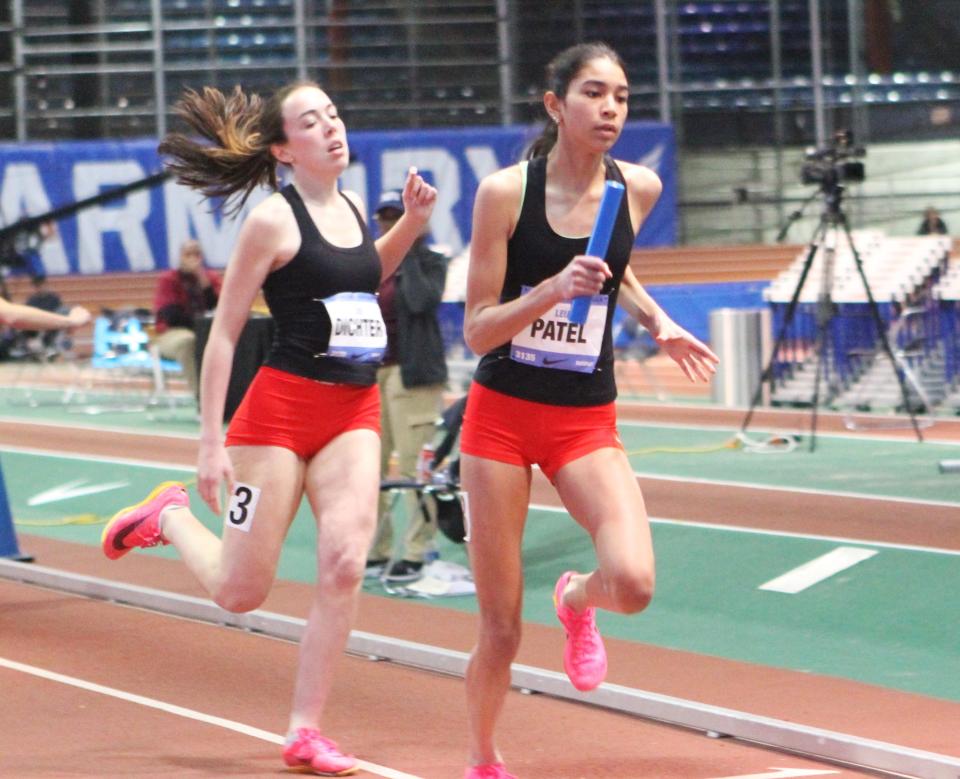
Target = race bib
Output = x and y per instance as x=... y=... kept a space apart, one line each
x=243 y=507
x=357 y=331
x=553 y=341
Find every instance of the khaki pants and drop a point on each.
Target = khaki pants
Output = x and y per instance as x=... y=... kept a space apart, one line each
x=180 y=344
x=408 y=420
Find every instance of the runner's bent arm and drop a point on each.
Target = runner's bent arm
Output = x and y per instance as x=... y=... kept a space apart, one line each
x=643 y=188
x=694 y=357
x=259 y=248
x=636 y=301
x=488 y=322
x=419 y=199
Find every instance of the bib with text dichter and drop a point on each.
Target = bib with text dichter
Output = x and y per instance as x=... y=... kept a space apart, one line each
x=357 y=331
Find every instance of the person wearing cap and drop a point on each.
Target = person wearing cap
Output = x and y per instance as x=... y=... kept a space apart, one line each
x=412 y=379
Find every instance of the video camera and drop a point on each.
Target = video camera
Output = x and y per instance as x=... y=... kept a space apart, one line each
x=834 y=164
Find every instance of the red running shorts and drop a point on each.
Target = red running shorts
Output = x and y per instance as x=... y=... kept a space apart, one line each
x=303 y=415
x=520 y=432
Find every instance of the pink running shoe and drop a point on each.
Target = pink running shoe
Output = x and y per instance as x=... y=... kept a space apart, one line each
x=305 y=747
x=139 y=525
x=584 y=658
x=488 y=771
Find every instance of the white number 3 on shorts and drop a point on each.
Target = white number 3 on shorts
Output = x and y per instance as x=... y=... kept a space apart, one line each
x=243 y=505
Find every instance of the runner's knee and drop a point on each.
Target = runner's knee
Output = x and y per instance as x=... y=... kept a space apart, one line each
x=342 y=571
x=501 y=637
x=630 y=591
x=240 y=597
x=243 y=590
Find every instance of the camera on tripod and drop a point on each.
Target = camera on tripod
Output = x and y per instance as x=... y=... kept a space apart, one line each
x=836 y=163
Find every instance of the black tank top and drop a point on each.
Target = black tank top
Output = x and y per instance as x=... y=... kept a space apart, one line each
x=318 y=270
x=534 y=253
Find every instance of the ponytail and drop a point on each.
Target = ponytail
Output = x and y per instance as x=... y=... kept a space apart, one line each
x=544 y=142
x=239 y=131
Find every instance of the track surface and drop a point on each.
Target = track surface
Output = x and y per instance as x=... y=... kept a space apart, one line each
x=411 y=722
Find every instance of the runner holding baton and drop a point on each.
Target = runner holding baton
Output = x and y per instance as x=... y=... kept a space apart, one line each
x=599 y=241
x=544 y=391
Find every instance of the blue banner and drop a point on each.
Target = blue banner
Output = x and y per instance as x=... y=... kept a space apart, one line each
x=142 y=231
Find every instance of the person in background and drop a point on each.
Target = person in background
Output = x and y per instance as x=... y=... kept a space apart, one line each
x=932 y=223
x=182 y=295
x=42 y=296
x=412 y=379
x=45 y=299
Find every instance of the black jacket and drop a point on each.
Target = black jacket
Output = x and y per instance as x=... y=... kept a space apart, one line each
x=420 y=282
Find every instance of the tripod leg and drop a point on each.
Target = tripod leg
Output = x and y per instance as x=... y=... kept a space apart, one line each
x=815 y=402
x=767 y=374
x=825 y=313
x=881 y=329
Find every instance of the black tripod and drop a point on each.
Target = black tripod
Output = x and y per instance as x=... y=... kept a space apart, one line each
x=825 y=236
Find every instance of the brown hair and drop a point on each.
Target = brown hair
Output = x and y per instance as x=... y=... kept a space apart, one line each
x=239 y=131
x=561 y=70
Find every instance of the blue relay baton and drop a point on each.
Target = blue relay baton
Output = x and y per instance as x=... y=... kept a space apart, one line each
x=599 y=241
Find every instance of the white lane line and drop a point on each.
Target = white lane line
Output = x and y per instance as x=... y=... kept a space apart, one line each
x=78 y=424
x=784 y=773
x=155 y=464
x=543 y=507
x=710 y=426
x=14 y=449
x=817 y=570
x=798 y=490
x=76 y=488
x=640 y=474
x=785 y=430
x=683 y=523
x=180 y=711
x=813 y=536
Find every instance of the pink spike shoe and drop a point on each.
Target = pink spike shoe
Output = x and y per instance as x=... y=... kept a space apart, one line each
x=488 y=771
x=306 y=748
x=138 y=526
x=584 y=657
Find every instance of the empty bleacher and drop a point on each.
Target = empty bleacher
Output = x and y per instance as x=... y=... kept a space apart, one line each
x=906 y=277
x=947 y=295
x=894 y=267
x=96 y=292
x=710 y=264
